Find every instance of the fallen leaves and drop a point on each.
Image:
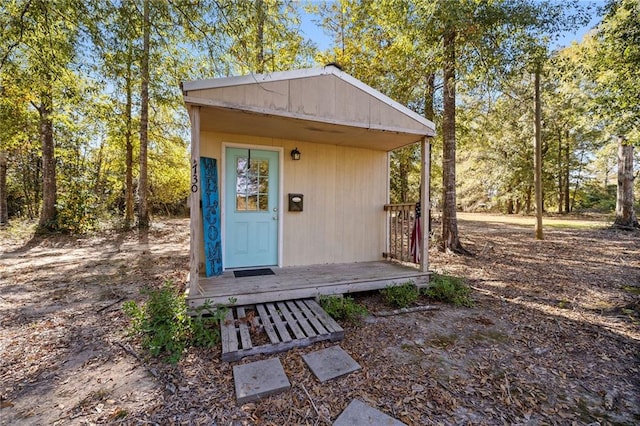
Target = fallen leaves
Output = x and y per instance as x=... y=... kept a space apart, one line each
x=516 y=357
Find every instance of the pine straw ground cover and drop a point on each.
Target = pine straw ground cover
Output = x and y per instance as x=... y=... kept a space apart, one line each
x=553 y=338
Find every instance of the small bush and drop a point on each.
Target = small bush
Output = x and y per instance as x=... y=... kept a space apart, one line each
x=165 y=326
x=446 y=288
x=401 y=296
x=77 y=212
x=343 y=308
x=205 y=329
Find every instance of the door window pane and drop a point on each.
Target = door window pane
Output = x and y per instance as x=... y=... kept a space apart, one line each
x=252 y=184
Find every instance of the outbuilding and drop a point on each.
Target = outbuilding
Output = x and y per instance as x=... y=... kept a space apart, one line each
x=290 y=186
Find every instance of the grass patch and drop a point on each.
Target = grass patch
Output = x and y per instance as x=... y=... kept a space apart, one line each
x=564 y=222
x=443 y=341
x=343 y=308
x=490 y=336
x=449 y=289
x=18 y=231
x=401 y=296
x=632 y=289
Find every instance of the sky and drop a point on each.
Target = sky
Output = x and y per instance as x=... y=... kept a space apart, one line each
x=316 y=34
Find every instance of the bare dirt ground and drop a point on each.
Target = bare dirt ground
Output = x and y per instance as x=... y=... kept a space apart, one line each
x=554 y=338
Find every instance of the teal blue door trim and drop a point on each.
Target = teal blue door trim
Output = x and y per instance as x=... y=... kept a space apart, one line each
x=252 y=207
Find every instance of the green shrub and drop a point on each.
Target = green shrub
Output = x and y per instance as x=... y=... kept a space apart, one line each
x=165 y=327
x=446 y=288
x=401 y=296
x=343 y=308
x=205 y=328
x=76 y=206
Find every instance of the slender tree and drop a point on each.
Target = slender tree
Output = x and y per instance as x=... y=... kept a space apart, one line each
x=143 y=187
x=4 y=212
x=537 y=130
x=450 y=235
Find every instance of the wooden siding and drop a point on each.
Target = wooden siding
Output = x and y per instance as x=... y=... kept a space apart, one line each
x=324 y=98
x=253 y=94
x=345 y=190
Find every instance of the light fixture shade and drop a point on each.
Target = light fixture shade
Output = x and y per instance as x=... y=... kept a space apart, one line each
x=295 y=154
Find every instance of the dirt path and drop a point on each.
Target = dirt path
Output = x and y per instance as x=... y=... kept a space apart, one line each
x=554 y=338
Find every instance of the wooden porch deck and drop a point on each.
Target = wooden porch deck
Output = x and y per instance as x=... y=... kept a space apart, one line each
x=300 y=282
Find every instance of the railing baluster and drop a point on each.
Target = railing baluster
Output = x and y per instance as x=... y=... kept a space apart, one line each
x=400 y=219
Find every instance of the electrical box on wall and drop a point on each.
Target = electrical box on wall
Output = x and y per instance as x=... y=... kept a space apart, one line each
x=296 y=202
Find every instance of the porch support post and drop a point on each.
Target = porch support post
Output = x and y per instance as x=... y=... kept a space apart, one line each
x=425 y=204
x=194 y=202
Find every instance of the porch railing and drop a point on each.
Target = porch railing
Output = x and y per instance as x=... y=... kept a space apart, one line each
x=400 y=220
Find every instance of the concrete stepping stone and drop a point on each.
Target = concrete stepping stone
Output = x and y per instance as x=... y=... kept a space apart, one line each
x=259 y=379
x=358 y=413
x=330 y=363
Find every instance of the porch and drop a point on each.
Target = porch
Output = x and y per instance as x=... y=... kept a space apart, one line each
x=316 y=135
x=299 y=282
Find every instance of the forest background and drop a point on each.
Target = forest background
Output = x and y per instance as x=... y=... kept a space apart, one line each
x=93 y=127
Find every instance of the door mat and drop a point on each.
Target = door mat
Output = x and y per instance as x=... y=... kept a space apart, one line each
x=253 y=272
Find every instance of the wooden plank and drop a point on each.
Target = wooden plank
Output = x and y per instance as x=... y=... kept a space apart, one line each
x=302 y=292
x=280 y=326
x=195 y=222
x=245 y=336
x=228 y=331
x=300 y=282
x=307 y=320
x=293 y=324
x=329 y=322
x=312 y=317
x=267 y=324
x=302 y=320
x=275 y=348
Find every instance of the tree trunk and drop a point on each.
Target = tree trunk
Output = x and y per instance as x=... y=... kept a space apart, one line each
x=510 y=206
x=97 y=186
x=259 y=41
x=572 y=202
x=538 y=155
x=560 y=174
x=4 y=212
x=143 y=208
x=625 y=215
x=429 y=111
x=403 y=175
x=567 y=183
x=450 y=236
x=48 y=212
x=430 y=114
x=128 y=197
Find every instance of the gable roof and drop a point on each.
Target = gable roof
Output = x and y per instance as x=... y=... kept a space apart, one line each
x=323 y=105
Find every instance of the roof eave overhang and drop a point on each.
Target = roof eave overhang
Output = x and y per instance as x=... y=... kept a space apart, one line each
x=242 y=119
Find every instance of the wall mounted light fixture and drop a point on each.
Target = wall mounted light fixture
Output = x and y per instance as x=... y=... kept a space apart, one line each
x=295 y=154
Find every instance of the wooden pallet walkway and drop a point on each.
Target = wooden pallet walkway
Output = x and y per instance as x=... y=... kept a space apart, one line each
x=286 y=325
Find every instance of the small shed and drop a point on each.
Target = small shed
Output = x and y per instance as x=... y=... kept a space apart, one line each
x=290 y=177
